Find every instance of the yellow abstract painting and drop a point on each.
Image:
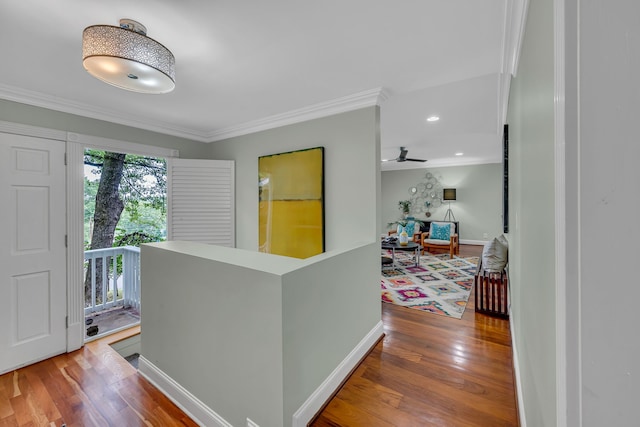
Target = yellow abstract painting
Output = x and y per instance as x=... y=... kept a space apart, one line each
x=291 y=203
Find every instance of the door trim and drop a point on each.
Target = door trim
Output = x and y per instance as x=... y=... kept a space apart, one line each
x=75 y=246
x=76 y=144
x=108 y=144
x=28 y=130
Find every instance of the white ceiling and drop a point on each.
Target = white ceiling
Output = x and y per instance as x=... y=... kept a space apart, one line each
x=243 y=65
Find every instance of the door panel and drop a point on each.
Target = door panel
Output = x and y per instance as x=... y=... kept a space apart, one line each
x=32 y=250
x=30 y=216
x=31 y=314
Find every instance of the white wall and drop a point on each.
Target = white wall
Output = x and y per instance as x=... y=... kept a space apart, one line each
x=352 y=173
x=606 y=140
x=328 y=307
x=478 y=205
x=531 y=216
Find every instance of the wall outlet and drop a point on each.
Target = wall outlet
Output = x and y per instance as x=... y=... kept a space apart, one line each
x=485 y=235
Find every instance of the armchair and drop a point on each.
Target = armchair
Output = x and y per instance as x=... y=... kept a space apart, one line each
x=417 y=234
x=441 y=235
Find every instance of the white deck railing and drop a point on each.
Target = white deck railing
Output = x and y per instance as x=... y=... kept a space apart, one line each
x=123 y=282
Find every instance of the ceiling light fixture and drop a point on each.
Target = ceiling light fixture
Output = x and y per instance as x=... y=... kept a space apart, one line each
x=126 y=58
x=459 y=154
x=433 y=118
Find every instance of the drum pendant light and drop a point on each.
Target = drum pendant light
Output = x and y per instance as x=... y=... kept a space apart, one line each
x=126 y=58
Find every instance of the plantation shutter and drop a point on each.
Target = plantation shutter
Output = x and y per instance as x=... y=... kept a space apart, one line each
x=201 y=206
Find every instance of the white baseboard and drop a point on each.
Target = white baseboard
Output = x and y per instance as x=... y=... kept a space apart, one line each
x=319 y=397
x=473 y=242
x=191 y=405
x=516 y=371
x=205 y=416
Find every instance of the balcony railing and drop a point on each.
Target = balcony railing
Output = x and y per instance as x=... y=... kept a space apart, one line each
x=118 y=270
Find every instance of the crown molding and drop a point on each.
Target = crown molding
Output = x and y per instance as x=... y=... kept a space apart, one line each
x=367 y=98
x=515 y=18
x=38 y=99
x=347 y=103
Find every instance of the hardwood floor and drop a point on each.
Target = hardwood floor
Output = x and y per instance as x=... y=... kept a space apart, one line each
x=428 y=370
x=431 y=370
x=93 y=386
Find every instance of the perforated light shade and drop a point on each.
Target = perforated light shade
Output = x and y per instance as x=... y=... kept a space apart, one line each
x=449 y=194
x=127 y=59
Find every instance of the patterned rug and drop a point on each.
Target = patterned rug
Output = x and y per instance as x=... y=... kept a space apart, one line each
x=438 y=285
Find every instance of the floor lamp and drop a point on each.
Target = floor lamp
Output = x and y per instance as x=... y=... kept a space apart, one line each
x=449 y=194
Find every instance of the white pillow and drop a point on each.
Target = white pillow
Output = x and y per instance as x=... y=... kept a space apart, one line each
x=495 y=255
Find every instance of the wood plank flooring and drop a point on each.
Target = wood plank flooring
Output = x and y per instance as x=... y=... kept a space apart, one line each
x=428 y=370
x=93 y=386
x=431 y=370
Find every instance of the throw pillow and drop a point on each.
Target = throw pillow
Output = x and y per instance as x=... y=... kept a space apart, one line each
x=440 y=231
x=495 y=256
x=410 y=228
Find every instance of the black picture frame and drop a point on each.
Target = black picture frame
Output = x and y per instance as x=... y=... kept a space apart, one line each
x=505 y=179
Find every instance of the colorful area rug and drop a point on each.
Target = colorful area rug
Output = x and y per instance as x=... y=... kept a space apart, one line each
x=438 y=285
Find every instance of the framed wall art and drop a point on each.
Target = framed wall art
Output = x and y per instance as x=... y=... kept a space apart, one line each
x=291 y=203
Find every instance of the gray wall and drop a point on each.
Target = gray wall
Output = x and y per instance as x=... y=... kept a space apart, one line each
x=215 y=327
x=478 y=205
x=352 y=173
x=253 y=335
x=531 y=216
x=606 y=140
x=42 y=117
x=328 y=307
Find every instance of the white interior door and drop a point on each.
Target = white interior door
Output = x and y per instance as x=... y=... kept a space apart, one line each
x=32 y=250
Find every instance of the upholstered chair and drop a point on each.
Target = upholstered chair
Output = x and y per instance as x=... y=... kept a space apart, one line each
x=441 y=236
x=417 y=233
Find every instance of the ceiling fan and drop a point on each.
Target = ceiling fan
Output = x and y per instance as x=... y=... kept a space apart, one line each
x=403 y=157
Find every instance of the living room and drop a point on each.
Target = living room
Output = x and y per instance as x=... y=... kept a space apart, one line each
x=477 y=206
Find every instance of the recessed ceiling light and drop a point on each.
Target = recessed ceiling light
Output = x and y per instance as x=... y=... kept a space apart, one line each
x=433 y=118
x=459 y=154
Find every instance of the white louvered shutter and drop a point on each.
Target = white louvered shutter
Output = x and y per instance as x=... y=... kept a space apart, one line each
x=201 y=204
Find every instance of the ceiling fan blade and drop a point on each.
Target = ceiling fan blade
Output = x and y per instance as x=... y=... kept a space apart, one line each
x=403 y=157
